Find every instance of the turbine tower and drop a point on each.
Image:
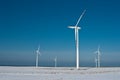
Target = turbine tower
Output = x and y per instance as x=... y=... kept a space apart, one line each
x=77 y=38
x=98 y=57
x=37 y=54
x=55 y=60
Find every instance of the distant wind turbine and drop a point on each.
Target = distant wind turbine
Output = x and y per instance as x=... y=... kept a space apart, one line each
x=37 y=54
x=77 y=38
x=98 y=57
x=55 y=60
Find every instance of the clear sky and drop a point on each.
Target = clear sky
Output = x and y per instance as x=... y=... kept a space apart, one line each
x=25 y=24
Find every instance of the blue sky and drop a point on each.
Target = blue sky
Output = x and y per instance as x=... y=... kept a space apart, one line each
x=25 y=24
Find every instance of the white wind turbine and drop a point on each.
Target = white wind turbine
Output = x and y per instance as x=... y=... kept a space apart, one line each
x=37 y=55
x=55 y=60
x=98 y=57
x=77 y=38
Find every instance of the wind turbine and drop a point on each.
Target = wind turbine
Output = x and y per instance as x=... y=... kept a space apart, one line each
x=55 y=60
x=77 y=38
x=37 y=54
x=98 y=56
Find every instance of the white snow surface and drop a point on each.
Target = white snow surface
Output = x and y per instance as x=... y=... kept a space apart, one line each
x=59 y=73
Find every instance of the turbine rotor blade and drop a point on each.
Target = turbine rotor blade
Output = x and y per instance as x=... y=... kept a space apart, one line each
x=38 y=50
x=39 y=47
x=55 y=58
x=75 y=34
x=99 y=48
x=95 y=52
x=72 y=27
x=80 y=18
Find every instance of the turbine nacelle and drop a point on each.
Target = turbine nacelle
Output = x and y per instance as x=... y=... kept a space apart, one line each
x=97 y=52
x=38 y=50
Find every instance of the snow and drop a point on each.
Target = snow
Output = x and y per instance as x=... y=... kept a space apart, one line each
x=59 y=73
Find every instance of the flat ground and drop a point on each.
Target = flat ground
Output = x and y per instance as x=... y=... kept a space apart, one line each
x=59 y=73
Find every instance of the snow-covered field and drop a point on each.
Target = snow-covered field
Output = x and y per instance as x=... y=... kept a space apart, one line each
x=60 y=73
